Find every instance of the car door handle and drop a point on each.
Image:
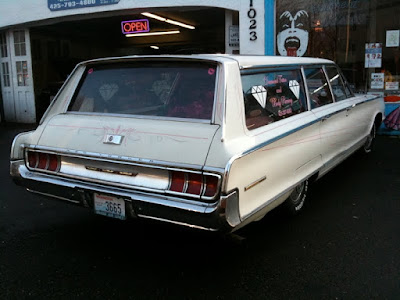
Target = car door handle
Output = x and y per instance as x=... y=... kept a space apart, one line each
x=350 y=108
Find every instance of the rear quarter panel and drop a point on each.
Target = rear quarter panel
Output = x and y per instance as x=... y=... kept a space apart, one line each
x=284 y=154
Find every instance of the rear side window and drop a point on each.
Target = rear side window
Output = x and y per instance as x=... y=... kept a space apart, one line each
x=318 y=88
x=272 y=96
x=164 y=89
x=338 y=87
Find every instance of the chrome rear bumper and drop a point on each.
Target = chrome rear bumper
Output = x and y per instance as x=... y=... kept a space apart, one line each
x=207 y=216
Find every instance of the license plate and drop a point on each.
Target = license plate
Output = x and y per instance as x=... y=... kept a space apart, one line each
x=109 y=206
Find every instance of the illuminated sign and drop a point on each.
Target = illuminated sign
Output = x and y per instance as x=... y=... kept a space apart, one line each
x=135 y=26
x=55 y=5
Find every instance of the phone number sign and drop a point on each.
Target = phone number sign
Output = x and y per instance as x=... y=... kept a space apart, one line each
x=55 y=5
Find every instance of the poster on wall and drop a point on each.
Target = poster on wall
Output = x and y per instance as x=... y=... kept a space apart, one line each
x=234 y=36
x=377 y=81
x=373 y=55
x=392 y=38
x=392 y=86
x=293 y=28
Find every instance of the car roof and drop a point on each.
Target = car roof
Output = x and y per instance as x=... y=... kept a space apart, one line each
x=244 y=61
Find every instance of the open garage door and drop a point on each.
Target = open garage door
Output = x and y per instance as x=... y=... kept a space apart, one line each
x=58 y=47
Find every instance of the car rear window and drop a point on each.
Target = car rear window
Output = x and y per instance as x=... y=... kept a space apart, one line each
x=164 y=89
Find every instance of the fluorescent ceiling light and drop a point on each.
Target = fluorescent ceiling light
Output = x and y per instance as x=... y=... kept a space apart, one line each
x=157 y=17
x=155 y=47
x=179 y=24
x=153 y=33
x=150 y=15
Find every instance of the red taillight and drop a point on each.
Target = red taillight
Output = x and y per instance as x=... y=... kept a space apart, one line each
x=32 y=159
x=211 y=183
x=195 y=183
x=53 y=163
x=43 y=161
x=177 y=182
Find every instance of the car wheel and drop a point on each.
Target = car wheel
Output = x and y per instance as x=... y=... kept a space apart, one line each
x=369 y=143
x=295 y=202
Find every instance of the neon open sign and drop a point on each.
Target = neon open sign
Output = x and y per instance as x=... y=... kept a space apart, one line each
x=135 y=26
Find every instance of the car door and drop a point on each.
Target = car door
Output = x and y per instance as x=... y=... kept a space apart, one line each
x=335 y=133
x=354 y=124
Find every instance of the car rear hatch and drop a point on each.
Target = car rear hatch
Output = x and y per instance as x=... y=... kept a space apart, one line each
x=148 y=140
x=161 y=156
x=145 y=124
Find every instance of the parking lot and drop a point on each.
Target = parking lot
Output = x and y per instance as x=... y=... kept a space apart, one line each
x=346 y=245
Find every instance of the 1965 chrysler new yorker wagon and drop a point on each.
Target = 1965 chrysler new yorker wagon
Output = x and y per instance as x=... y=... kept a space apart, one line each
x=207 y=141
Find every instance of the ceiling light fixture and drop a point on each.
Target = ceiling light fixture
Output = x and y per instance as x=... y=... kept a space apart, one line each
x=179 y=24
x=155 y=47
x=157 y=17
x=153 y=33
x=150 y=15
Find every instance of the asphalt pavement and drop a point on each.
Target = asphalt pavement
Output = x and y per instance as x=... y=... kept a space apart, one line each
x=345 y=245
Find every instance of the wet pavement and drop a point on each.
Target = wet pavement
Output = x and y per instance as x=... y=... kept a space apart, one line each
x=345 y=245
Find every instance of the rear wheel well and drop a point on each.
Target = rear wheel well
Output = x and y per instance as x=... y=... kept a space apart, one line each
x=313 y=178
x=378 y=120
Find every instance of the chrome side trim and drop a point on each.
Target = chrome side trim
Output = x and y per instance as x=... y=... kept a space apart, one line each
x=117 y=159
x=253 y=184
x=177 y=223
x=329 y=83
x=216 y=92
x=53 y=196
x=264 y=205
x=373 y=98
x=213 y=170
x=279 y=137
x=303 y=74
x=175 y=119
x=260 y=68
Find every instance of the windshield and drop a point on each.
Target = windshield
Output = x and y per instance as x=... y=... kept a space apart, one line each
x=166 y=89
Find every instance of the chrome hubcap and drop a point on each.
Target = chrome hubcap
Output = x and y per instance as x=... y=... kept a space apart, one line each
x=296 y=195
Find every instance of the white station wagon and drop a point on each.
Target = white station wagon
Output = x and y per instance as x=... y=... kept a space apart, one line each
x=206 y=141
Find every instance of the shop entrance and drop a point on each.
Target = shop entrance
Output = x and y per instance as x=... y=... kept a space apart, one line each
x=58 y=47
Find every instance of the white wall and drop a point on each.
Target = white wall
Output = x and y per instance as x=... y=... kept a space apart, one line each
x=14 y=12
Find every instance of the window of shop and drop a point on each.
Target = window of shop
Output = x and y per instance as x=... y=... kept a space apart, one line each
x=22 y=73
x=362 y=37
x=3 y=45
x=19 y=43
x=6 y=74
